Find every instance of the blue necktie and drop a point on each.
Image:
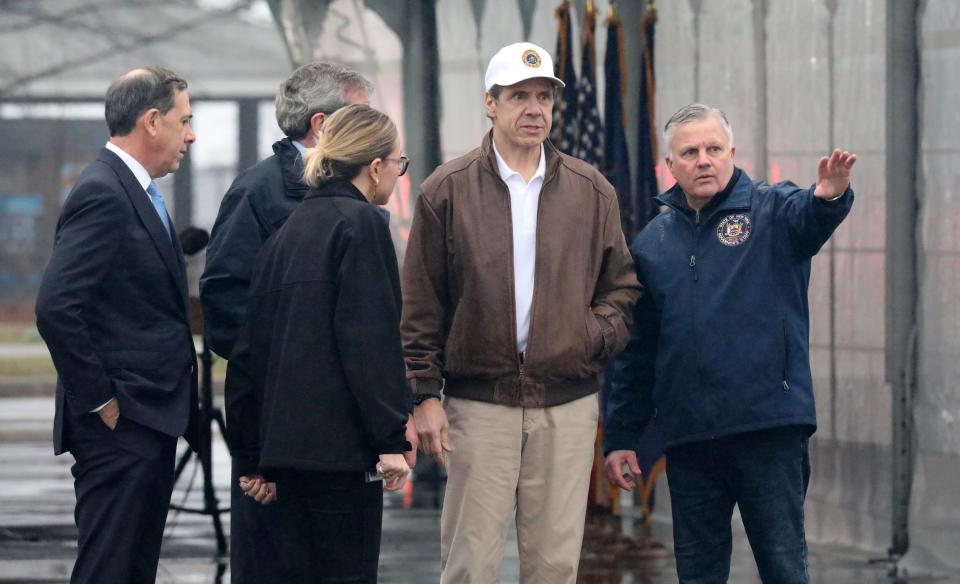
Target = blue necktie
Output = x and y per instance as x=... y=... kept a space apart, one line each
x=157 y=199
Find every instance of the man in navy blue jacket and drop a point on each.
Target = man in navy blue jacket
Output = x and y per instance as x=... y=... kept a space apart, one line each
x=263 y=196
x=113 y=311
x=719 y=355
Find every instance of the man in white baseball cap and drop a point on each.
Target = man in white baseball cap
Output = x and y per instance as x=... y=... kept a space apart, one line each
x=517 y=289
x=519 y=62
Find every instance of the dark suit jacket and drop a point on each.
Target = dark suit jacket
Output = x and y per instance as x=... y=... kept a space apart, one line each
x=113 y=308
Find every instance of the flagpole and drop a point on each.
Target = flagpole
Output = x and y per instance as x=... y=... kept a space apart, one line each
x=614 y=19
x=649 y=19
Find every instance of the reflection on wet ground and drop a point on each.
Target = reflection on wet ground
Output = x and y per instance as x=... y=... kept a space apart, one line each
x=38 y=540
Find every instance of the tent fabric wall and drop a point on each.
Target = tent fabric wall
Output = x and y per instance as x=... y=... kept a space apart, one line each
x=935 y=515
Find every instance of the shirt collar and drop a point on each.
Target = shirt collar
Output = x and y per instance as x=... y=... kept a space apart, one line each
x=507 y=172
x=300 y=147
x=141 y=174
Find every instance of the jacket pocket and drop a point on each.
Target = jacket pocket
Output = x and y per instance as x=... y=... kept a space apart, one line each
x=131 y=359
x=594 y=336
x=785 y=354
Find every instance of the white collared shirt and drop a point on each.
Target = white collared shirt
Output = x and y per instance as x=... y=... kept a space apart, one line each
x=524 y=205
x=143 y=177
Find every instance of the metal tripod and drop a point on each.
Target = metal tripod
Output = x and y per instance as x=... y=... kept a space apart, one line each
x=208 y=416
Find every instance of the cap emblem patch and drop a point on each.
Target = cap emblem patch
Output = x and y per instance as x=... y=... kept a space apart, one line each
x=531 y=58
x=734 y=229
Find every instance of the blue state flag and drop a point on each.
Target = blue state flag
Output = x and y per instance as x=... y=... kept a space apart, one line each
x=644 y=206
x=616 y=165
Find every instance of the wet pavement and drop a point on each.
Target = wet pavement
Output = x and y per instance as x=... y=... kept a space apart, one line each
x=38 y=539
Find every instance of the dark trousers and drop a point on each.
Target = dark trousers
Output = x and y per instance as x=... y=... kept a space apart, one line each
x=330 y=527
x=123 y=480
x=766 y=474
x=254 y=532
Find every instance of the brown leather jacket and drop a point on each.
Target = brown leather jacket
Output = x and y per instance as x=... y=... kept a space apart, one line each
x=458 y=320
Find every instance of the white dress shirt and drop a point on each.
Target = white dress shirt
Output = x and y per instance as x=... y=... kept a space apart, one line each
x=524 y=204
x=143 y=177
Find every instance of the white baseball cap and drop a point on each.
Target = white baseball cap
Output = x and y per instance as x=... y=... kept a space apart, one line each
x=519 y=62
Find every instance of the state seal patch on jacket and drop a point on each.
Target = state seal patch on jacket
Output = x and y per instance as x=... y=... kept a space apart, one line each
x=734 y=229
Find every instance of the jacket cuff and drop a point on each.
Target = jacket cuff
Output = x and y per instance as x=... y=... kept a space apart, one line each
x=427 y=385
x=395 y=448
x=609 y=336
x=613 y=442
x=245 y=465
x=837 y=201
x=81 y=405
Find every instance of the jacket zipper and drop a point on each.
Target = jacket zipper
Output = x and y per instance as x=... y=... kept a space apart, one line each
x=696 y=229
x=513 y=284
x=536 y=260
x=786 y=354
x=693 y=268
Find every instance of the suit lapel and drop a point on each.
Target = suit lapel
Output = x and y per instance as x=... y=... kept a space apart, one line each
x=168 y=247
x=182 y=274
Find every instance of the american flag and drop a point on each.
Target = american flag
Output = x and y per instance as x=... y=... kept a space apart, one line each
x=564 y=132
x=589 y=144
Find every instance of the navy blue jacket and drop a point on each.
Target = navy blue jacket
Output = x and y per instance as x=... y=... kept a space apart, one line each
x=720 y=343
x=112 y=308
x=255 y=207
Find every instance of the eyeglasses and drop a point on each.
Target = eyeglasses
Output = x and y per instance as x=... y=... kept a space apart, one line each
x=402 y=163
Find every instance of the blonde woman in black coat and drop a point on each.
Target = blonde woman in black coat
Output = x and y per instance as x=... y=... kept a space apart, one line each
x=316 y=394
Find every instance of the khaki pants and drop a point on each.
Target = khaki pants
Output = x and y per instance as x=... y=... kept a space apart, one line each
x=535 y=461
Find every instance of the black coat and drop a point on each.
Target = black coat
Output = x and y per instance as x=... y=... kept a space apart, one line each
x=112 y=308
x=254 y=207
x=316 y=380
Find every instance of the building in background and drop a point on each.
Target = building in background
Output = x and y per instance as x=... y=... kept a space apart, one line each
x=795 y=77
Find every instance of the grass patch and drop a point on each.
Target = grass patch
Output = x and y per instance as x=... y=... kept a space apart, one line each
x=19 y=333
x=43 y=366
x=26 y=366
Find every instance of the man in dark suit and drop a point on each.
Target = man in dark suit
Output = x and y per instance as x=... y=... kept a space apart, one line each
x=112 y=309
